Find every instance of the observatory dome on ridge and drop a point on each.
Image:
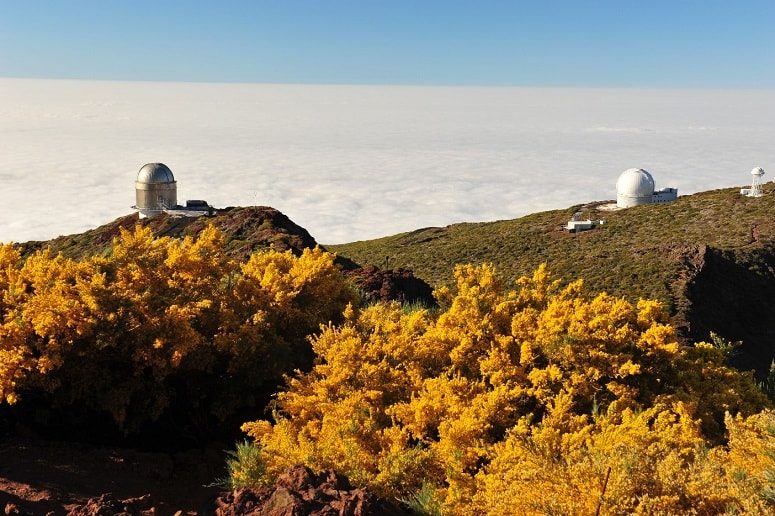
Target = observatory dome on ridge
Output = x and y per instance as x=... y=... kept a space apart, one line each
x=155 y=173
x=636 y=186
x=155 y=189
x=635 y=182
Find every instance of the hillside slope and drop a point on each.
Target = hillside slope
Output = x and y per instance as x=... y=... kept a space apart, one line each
x=246 y=230
x=710 y=257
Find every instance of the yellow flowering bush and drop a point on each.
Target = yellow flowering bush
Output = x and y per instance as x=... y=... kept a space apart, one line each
x=536 y=400
x=161 y=323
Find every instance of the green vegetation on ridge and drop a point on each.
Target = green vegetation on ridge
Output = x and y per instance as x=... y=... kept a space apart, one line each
x=637 y=253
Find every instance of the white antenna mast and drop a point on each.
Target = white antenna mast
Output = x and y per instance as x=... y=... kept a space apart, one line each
x=756 y=184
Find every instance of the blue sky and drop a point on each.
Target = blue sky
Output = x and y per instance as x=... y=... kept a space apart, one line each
x=624 y=43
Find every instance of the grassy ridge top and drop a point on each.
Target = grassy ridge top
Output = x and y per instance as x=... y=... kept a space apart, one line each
x=637 y=253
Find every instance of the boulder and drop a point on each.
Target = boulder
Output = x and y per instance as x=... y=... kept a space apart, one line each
x=301 y=492
x=392 y=285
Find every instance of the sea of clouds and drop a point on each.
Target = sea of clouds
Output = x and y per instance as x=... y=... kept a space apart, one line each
x=358 y=162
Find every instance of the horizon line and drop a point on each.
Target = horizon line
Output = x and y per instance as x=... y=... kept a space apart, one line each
x=401 y=84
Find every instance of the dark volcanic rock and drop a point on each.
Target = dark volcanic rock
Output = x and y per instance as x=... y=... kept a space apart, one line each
x=729 y=292
x=107 y=505
x=392 y=285
x=300 y=492
x=732 y=293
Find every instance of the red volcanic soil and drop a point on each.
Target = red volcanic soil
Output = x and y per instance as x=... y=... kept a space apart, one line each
x=54 y=478
x=40 y=477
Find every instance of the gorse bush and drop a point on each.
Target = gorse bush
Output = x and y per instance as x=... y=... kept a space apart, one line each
x=160 y=325
x=529 y=401
x=535 y=400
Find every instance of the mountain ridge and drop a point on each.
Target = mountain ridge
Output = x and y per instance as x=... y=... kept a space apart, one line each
x=709 y=257
x=245 y=230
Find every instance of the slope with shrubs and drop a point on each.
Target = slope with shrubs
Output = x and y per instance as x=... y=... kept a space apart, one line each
x=633 y=254
x=708 y=257
x=535 y=400
x=244 y=229
x=539 y=400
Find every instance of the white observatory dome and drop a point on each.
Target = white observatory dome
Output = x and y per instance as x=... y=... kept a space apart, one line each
x=635 y=186
x=757 y=171
x=155 y=189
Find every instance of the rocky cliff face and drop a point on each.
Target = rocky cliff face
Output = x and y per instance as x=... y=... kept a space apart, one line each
x=731 y=293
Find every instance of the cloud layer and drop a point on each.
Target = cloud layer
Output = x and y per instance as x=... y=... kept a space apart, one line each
x=358 y=162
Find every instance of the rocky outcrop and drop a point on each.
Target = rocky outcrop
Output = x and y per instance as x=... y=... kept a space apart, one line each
x=732 y=293
x=392 y=285
x=108 y=505
x=299 y=492
x=255 y=227
x=689 y=261
x=729 y=292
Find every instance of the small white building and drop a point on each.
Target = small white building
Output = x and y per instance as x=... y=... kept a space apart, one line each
x=636 y=186
x=576 y=223
x=575 y=226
